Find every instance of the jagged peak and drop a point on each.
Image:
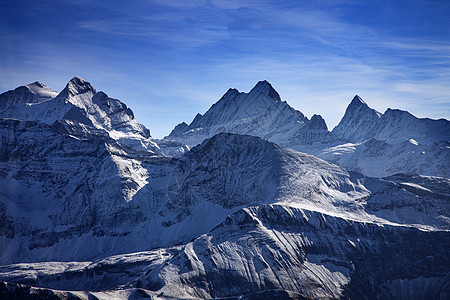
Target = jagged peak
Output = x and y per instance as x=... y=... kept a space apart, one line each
x=196 y=120
x=232 y=91
x=78 y=85
x=230 y=94
x=264 y=87
x=317 y=122
x=357 y=101
x=179 y=129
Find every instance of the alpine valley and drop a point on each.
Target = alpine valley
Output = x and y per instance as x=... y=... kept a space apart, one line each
x=251 y=200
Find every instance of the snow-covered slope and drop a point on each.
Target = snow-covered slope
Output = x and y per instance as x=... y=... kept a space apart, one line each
x=377 y=158
x=389 y=143
x=25 y=96
x=259 y=112
x=262 y=252
x=68 y=197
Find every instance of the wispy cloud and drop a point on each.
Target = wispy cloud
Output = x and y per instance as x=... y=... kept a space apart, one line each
x=173 y=52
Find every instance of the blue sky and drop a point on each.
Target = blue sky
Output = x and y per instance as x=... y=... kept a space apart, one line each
x=169 y=59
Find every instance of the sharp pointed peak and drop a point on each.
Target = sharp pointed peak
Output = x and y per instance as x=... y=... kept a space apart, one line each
x=78 y=85
x=265 y=87
x=357 y=103
x=357 y=100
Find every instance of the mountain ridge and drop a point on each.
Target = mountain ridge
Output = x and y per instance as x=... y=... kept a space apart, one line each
x=360 y=123
x=79 y=101
x=260 y=112
x=365 y=140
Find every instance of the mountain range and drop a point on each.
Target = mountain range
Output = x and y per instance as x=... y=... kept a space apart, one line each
x=261 y=112
x=365 y=140
x=91 y=206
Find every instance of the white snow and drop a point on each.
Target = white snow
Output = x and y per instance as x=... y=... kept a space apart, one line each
x=41 y=90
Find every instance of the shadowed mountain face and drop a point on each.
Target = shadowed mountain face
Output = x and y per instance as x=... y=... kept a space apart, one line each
x=358 y=121
x=89 y=209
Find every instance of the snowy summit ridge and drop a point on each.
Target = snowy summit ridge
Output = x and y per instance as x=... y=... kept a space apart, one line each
x=261 y=112
x=78 y=102
x=360 y=122
x=77 y=86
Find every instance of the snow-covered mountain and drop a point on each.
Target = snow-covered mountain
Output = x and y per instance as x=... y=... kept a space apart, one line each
x=79 y=102
x=361 y=123
x=88 y=195
x=32 y=93
x=84 y=214
x=389 y=143
x=358 y=121
x=261 y=112
x=365 y=140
